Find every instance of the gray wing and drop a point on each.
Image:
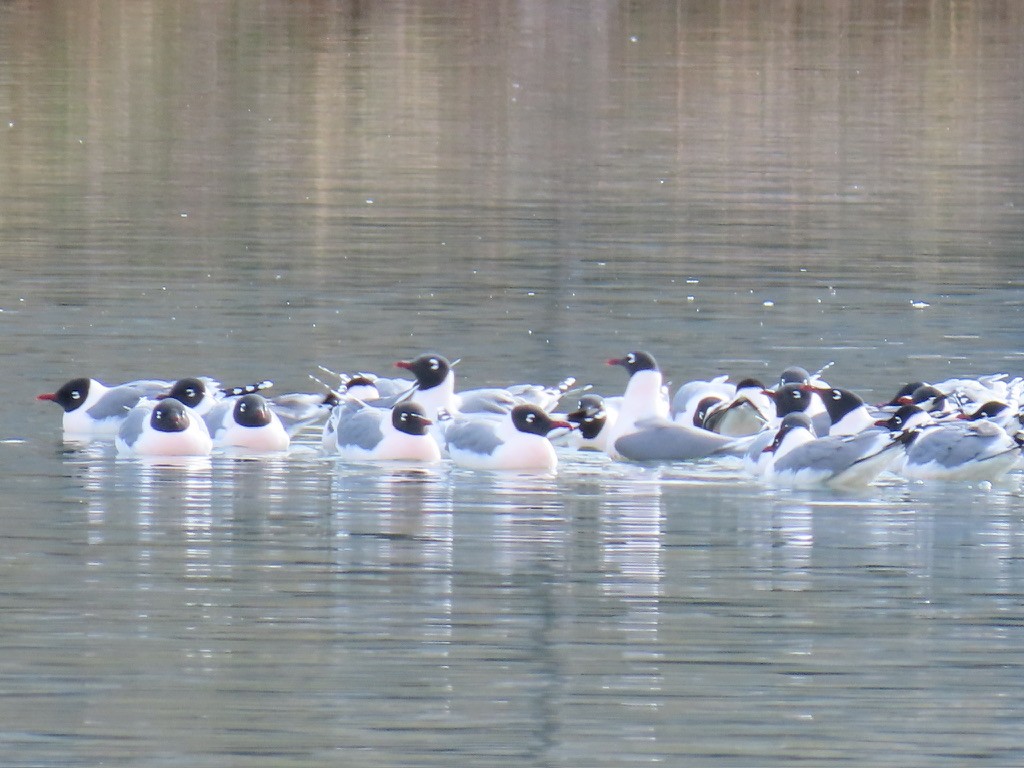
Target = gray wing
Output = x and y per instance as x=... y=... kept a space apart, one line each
x=361 y=428
x=214 y=417
x=299 y=409
x=821 y=423
x=116 y=402
x=663 y=440
x=757 y=443
x=952 y=447
x=487 y=401
x=150 y=387
x=547 y=398
x=473 y=435
x=529 y=393
x=132 y=426
x=835 y=454
x=395 y=388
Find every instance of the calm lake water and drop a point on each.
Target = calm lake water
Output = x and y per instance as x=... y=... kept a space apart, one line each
x=249 y=190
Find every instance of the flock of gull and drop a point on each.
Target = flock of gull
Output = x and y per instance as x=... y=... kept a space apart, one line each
x=798 y=431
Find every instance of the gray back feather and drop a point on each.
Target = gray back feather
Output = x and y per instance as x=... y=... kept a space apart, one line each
x=487 y=401
x=953 y=446
x=132 y=427
x=834 y=454
x=473 y=435
x=214 y=418
x=361 y=428
x=663 y=440
x=116 y=402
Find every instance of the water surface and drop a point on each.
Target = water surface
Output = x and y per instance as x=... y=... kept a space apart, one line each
x=249 y=190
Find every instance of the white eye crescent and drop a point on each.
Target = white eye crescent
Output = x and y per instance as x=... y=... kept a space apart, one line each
x=434 y=364
x=836 y=394
x=76 y=395
x=530 y=418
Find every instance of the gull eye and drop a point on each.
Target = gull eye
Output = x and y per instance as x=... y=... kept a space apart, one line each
x=190 y=392
x=404 y=417
x=530 y=418
x=434 y=364
x=76 y=395
x=630 y=358
x=836 y=394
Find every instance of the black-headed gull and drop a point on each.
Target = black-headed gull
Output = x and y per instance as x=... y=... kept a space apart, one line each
x=747 y=412
x=643 y=431
x=167 y=428
x=972 y=451
x=364 y=433
x=593 y=418
x=847 y=412
x=435 y=389
x=692 y=394
x=517 y=440
x=643 y=399
x=92 y=409
x=248 y=423
x=801 y=460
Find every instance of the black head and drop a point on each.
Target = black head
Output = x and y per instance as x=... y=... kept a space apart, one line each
x=905 y=391
x=635 y=361
x=704 y=409
x=838 y=402
x=430 y=370
x=169 y=415
x=252 y=411
x=901 y=418
x=410 y=418
x=589 y=415
x=361 y=380
x=790 y=423
x=532 y=420
x=188 y=391
x=932 y=398
x=989 y=410
x=794 y=375
x=790 y=398
x=926 y=392
x=749 y=384
x=70 y=396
